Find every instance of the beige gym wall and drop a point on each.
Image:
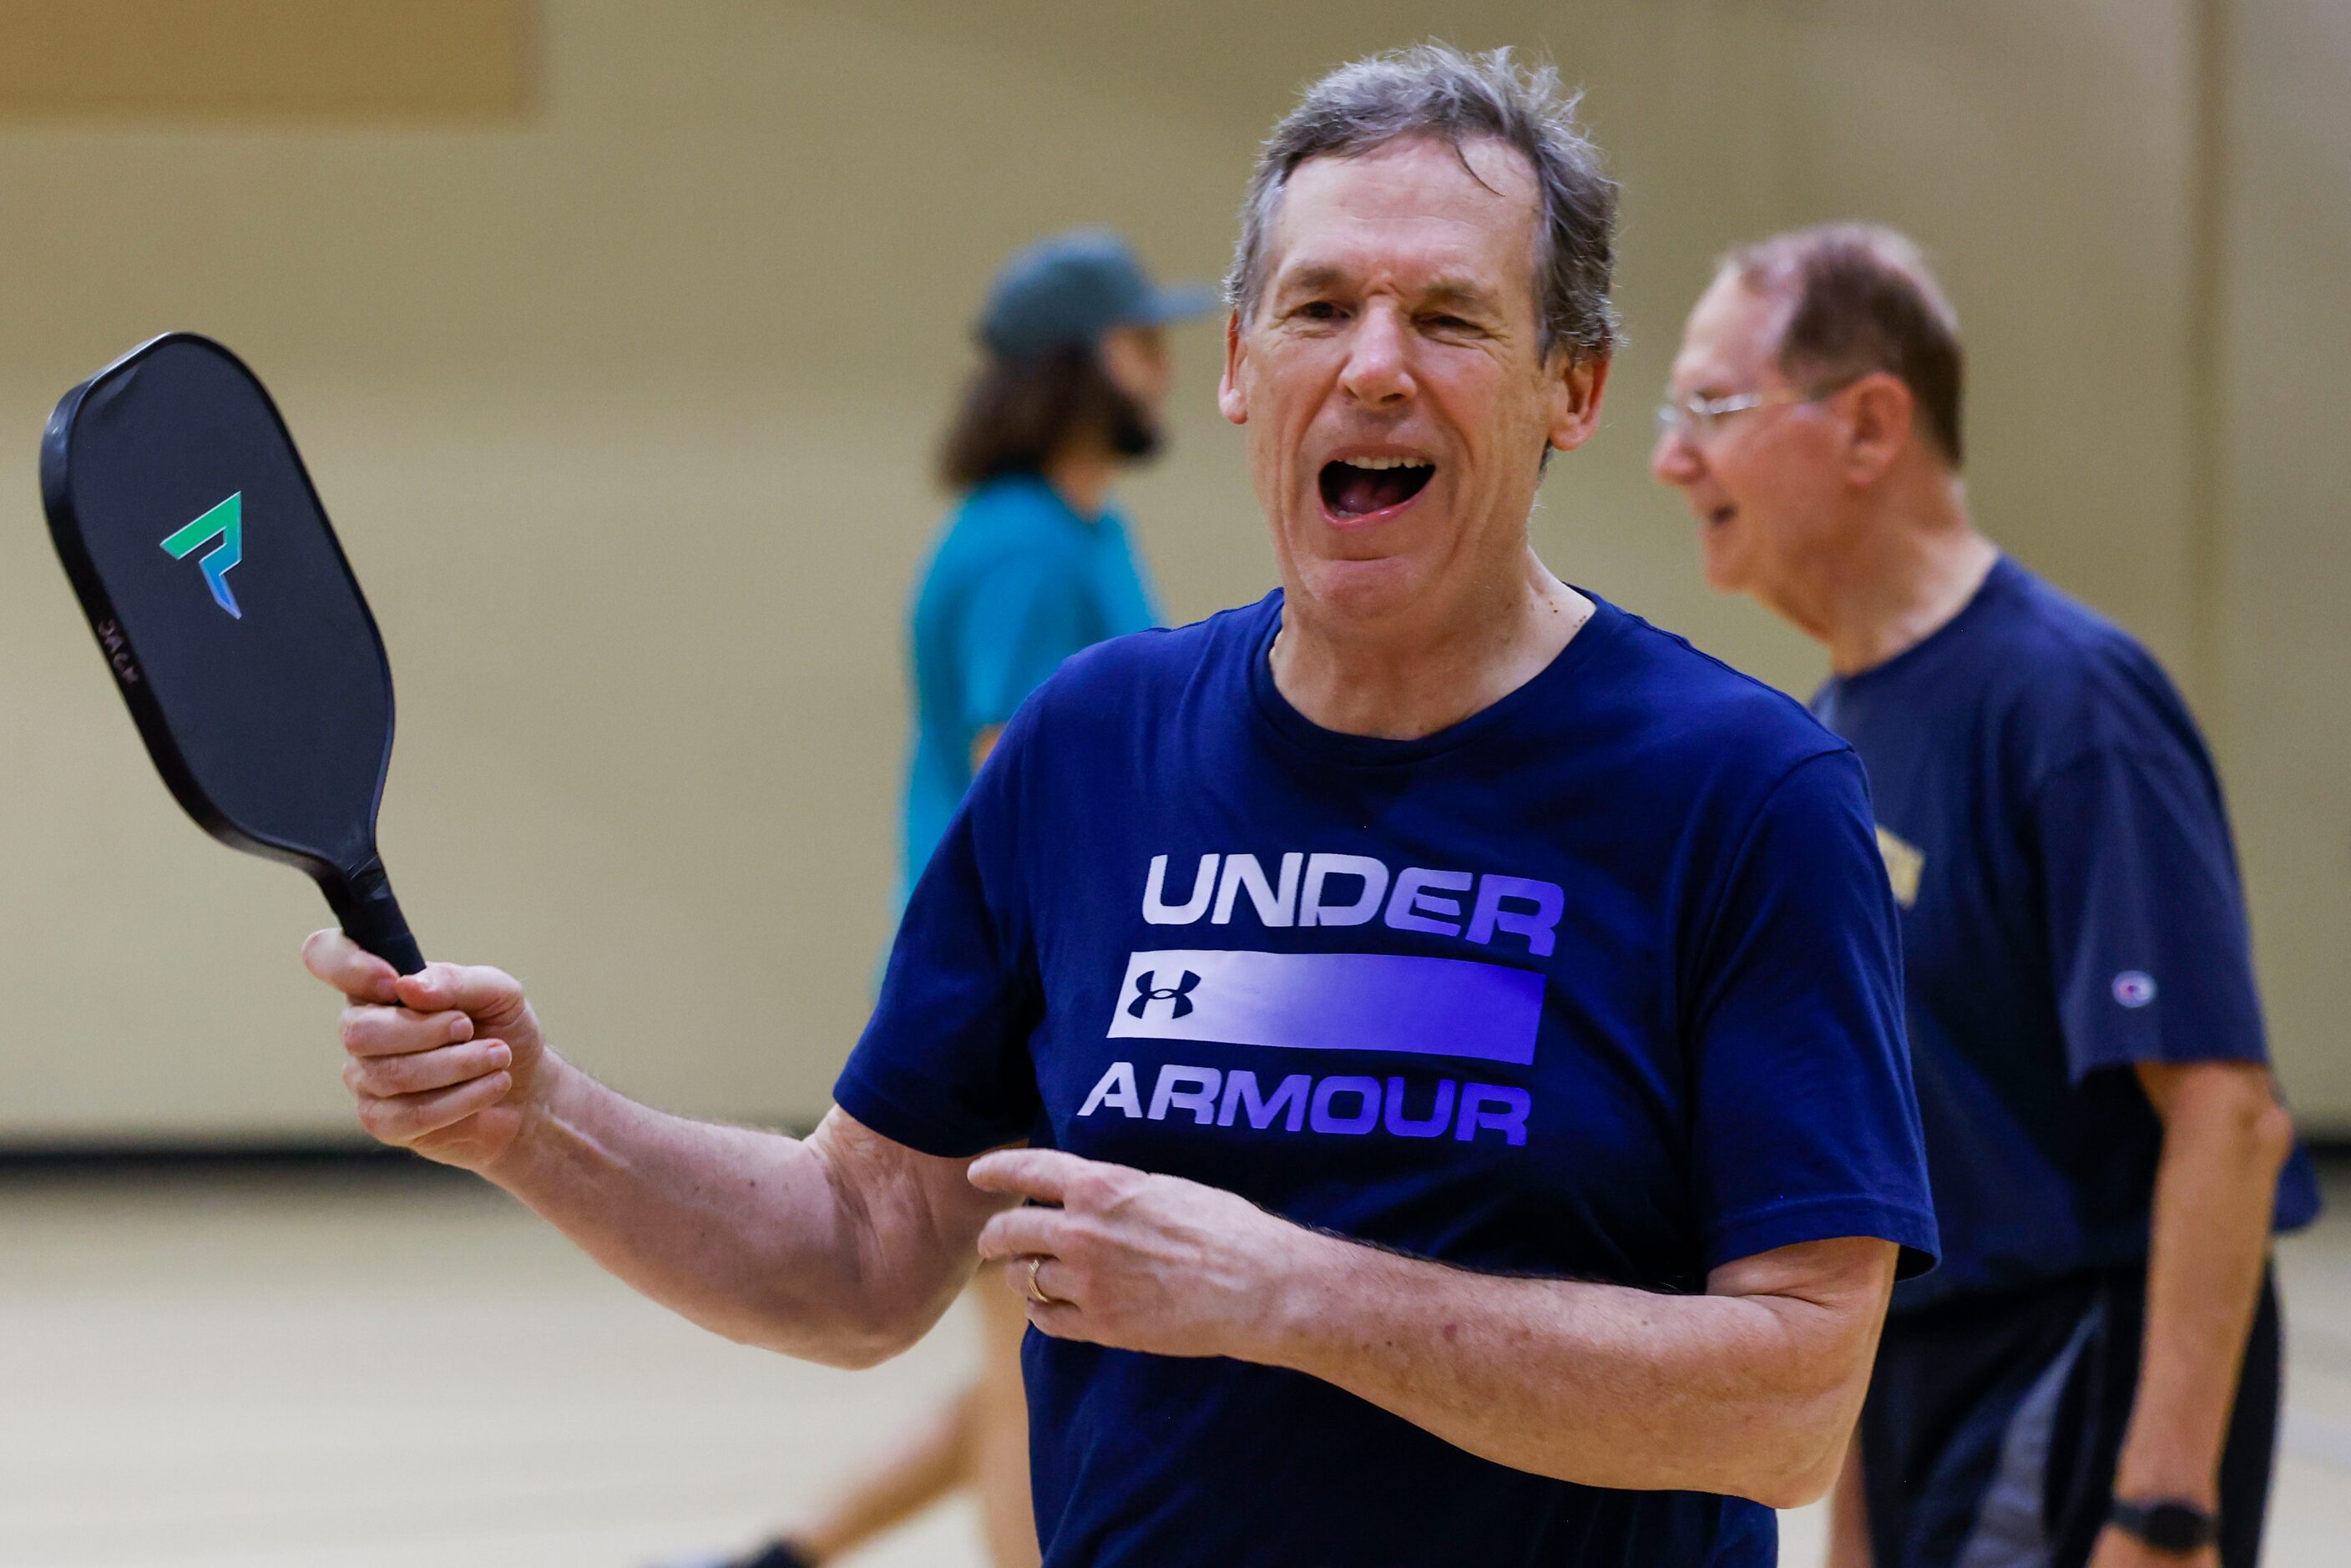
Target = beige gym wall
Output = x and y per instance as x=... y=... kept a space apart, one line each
x=621 y=403
x=289 y=59
x=2281 y=567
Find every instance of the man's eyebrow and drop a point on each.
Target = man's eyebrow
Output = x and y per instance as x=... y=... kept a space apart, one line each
x=1456 y=291
x=1445 y=291
x=1309 y=278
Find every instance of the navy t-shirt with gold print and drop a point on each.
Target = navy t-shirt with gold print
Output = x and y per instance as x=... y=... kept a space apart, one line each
x=1600 y=983
x=2053 y=831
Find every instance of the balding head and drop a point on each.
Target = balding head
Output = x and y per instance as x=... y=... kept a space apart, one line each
x=1860 y=298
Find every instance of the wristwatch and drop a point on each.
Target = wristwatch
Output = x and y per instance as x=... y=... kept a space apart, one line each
x=2167 y=1524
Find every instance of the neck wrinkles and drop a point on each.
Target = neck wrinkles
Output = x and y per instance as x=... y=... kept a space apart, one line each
x=1407 y=683
x=1908 y=571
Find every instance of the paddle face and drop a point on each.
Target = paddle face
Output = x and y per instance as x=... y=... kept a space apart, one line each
x=223 y=605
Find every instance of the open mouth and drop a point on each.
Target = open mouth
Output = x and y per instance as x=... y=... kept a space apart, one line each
x=1363 y=486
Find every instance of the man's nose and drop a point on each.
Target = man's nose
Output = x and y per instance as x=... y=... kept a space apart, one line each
x=1674 y=460
x=1378 y=372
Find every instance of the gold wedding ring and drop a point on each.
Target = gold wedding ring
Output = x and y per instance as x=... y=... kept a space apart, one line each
x=1036 y=1291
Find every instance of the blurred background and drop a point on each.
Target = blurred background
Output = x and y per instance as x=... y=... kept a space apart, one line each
x=617 y=337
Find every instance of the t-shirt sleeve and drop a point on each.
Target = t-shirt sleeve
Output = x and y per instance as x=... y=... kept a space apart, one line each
x=1806 y=1123
x=1026 y=614
x=2148 y=949
x=944 y=1064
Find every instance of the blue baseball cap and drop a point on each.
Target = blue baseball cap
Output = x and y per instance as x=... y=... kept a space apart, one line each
x=1073 y=287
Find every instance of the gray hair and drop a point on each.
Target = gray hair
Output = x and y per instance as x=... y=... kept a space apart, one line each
x=1862 y=298
x=1436 y=90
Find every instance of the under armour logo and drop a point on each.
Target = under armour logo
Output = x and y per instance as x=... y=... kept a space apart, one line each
x=1178 y=996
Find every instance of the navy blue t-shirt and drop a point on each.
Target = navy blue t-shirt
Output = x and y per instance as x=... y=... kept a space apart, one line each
x=2053 y=829
x=1601 y=982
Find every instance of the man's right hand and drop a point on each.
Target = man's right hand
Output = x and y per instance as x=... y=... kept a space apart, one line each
x=844 y=1248
x=447 y=1062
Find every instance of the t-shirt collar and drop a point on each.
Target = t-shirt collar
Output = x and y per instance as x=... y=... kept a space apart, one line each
x=1997 y=584
x=1362 y=750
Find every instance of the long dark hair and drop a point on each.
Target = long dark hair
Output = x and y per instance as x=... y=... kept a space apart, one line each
x=1016 y=413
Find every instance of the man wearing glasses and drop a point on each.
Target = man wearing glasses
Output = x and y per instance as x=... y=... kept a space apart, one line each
x=2092 y=1377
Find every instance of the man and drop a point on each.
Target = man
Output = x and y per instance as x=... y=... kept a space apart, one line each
x=2105 y=1142
x=1454 y=1025
x=1034 y=565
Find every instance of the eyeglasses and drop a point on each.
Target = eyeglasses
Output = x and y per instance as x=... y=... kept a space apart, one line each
x=1699 y=418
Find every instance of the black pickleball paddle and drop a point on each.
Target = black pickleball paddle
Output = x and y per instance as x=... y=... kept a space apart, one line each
x=234 y=626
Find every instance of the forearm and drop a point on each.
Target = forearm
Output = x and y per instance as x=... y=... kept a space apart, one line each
x=2215 y=1189
x=1752 y=1396
x=750 y=1234
x=1750 y=1389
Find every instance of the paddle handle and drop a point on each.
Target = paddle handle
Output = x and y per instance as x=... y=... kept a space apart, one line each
x=371 y=916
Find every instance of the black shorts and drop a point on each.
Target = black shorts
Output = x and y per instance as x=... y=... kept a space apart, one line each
x=1993 y=1427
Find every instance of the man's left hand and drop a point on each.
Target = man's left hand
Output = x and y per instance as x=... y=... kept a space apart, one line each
x=1138 y=1261
x=2120 y=1549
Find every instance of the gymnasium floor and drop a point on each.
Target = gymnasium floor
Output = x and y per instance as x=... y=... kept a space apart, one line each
x=363 y=1368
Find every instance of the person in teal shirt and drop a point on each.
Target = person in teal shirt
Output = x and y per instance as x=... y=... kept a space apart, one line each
x=1034 y=563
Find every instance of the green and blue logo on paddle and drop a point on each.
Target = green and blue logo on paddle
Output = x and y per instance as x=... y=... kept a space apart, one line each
x=225 y=523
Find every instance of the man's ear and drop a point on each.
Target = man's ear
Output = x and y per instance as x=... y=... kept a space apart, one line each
x=1231 y=401
x=1575 y=380
x=1880 y=414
